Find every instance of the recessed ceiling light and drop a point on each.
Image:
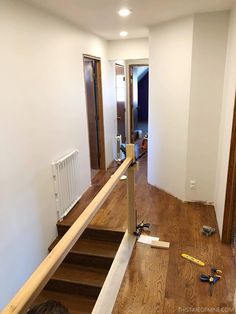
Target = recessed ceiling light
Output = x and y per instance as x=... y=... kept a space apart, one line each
x=123 y=33
x=124 y=12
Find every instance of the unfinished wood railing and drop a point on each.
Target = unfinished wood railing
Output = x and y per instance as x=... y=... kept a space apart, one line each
x=34 y=285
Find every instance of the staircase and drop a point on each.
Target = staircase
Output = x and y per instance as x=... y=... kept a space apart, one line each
x=79 y=279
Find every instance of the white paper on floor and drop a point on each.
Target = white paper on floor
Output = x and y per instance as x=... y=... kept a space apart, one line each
x=124 y=177
x=147 y=239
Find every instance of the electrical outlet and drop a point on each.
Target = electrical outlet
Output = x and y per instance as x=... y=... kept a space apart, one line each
x=193 y=185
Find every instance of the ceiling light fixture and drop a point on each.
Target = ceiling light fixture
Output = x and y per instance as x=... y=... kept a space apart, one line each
x=123 y=33
x=124 y=12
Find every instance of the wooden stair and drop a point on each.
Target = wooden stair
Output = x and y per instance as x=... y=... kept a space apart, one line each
x=79 y=279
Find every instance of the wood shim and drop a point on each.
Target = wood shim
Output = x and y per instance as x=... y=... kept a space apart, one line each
x=160 y=244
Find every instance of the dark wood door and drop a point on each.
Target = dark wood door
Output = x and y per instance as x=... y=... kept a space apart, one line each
x=121 y=119
x=120 y=104
x=229 y=225
x=92 y=111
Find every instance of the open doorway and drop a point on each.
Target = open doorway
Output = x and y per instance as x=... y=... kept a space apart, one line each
x=93 y=87
x=139 y=89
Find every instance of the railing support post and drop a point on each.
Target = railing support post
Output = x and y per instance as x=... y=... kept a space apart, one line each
x=132 y=215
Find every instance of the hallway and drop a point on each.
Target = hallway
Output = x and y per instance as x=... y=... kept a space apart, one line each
x=160 y=281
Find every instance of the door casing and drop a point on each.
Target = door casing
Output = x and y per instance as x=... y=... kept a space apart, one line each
x=99 y=104
x=229 y=222
x=120 y=106
x=131 y=106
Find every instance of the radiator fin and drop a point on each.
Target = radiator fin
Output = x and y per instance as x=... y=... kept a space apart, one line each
x=66 y=182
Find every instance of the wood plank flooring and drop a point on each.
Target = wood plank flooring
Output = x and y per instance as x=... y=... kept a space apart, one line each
x=160 y=281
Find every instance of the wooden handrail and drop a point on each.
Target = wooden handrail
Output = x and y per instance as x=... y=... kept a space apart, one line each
x=33 y=286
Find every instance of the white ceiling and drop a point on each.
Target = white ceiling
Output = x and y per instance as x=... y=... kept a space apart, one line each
x=100 y=16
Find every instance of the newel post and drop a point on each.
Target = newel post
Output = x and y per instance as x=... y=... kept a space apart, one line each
x=132 y=215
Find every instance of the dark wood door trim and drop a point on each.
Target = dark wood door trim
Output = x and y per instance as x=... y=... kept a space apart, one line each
x=91 y=57
x=121 y=104
x=230 y=199
x=100 y=113
x=101 y=137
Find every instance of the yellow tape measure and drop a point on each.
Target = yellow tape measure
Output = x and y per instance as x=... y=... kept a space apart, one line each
x=192 y=259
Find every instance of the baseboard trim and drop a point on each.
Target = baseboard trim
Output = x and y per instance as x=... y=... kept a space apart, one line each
x=182 y=200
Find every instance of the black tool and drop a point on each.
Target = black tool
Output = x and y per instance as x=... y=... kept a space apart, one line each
x=141 y=227
x=212 y=278
x=208 y=231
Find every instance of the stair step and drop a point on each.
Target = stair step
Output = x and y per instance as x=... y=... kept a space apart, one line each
x=96 y=247
x=81 y=274
x=92 y=232
x=74 y=303
x=91 y=252
x=77 y=279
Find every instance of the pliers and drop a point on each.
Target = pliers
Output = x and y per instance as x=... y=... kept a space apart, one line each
x=212 y=278
x=140 y=228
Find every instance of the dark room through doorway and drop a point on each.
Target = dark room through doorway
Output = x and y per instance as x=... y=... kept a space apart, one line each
x=139 y=89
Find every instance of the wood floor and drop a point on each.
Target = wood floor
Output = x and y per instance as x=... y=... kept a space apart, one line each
x=160 y=281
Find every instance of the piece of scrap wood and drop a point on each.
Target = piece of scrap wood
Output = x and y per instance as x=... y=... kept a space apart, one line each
x=160 y=244
x=147 y=239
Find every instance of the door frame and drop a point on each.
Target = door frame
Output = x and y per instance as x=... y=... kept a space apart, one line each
x=131 y=114
x=230 y=198
x=125 y=111
x=98 y=82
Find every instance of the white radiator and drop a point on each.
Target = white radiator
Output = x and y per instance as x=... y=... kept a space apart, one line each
x=66 y=182
x=118 y=139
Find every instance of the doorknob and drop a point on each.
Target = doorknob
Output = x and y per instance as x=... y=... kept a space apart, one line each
x=118 y=118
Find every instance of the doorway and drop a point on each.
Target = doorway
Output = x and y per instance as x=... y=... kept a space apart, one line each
x=139 y=89
x=229 y=224
x=120 y=100
x=93 y=88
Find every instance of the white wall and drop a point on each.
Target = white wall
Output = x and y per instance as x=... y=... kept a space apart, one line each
x=170 y=74
x=226 y=121
x=125 y=49
x=109 y=108
x=42 y=116
x=208 y=63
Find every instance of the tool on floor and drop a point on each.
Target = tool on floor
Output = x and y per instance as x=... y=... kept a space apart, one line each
x=144 y=144
x=212 y=278
x=208 y=231
x=140 y=227
x=193 y=259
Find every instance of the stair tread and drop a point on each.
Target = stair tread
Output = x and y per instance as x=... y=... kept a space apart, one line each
x=94 y=232
x=92 y=247
x=93 y=227
x=76 y=304
x=81 y=274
